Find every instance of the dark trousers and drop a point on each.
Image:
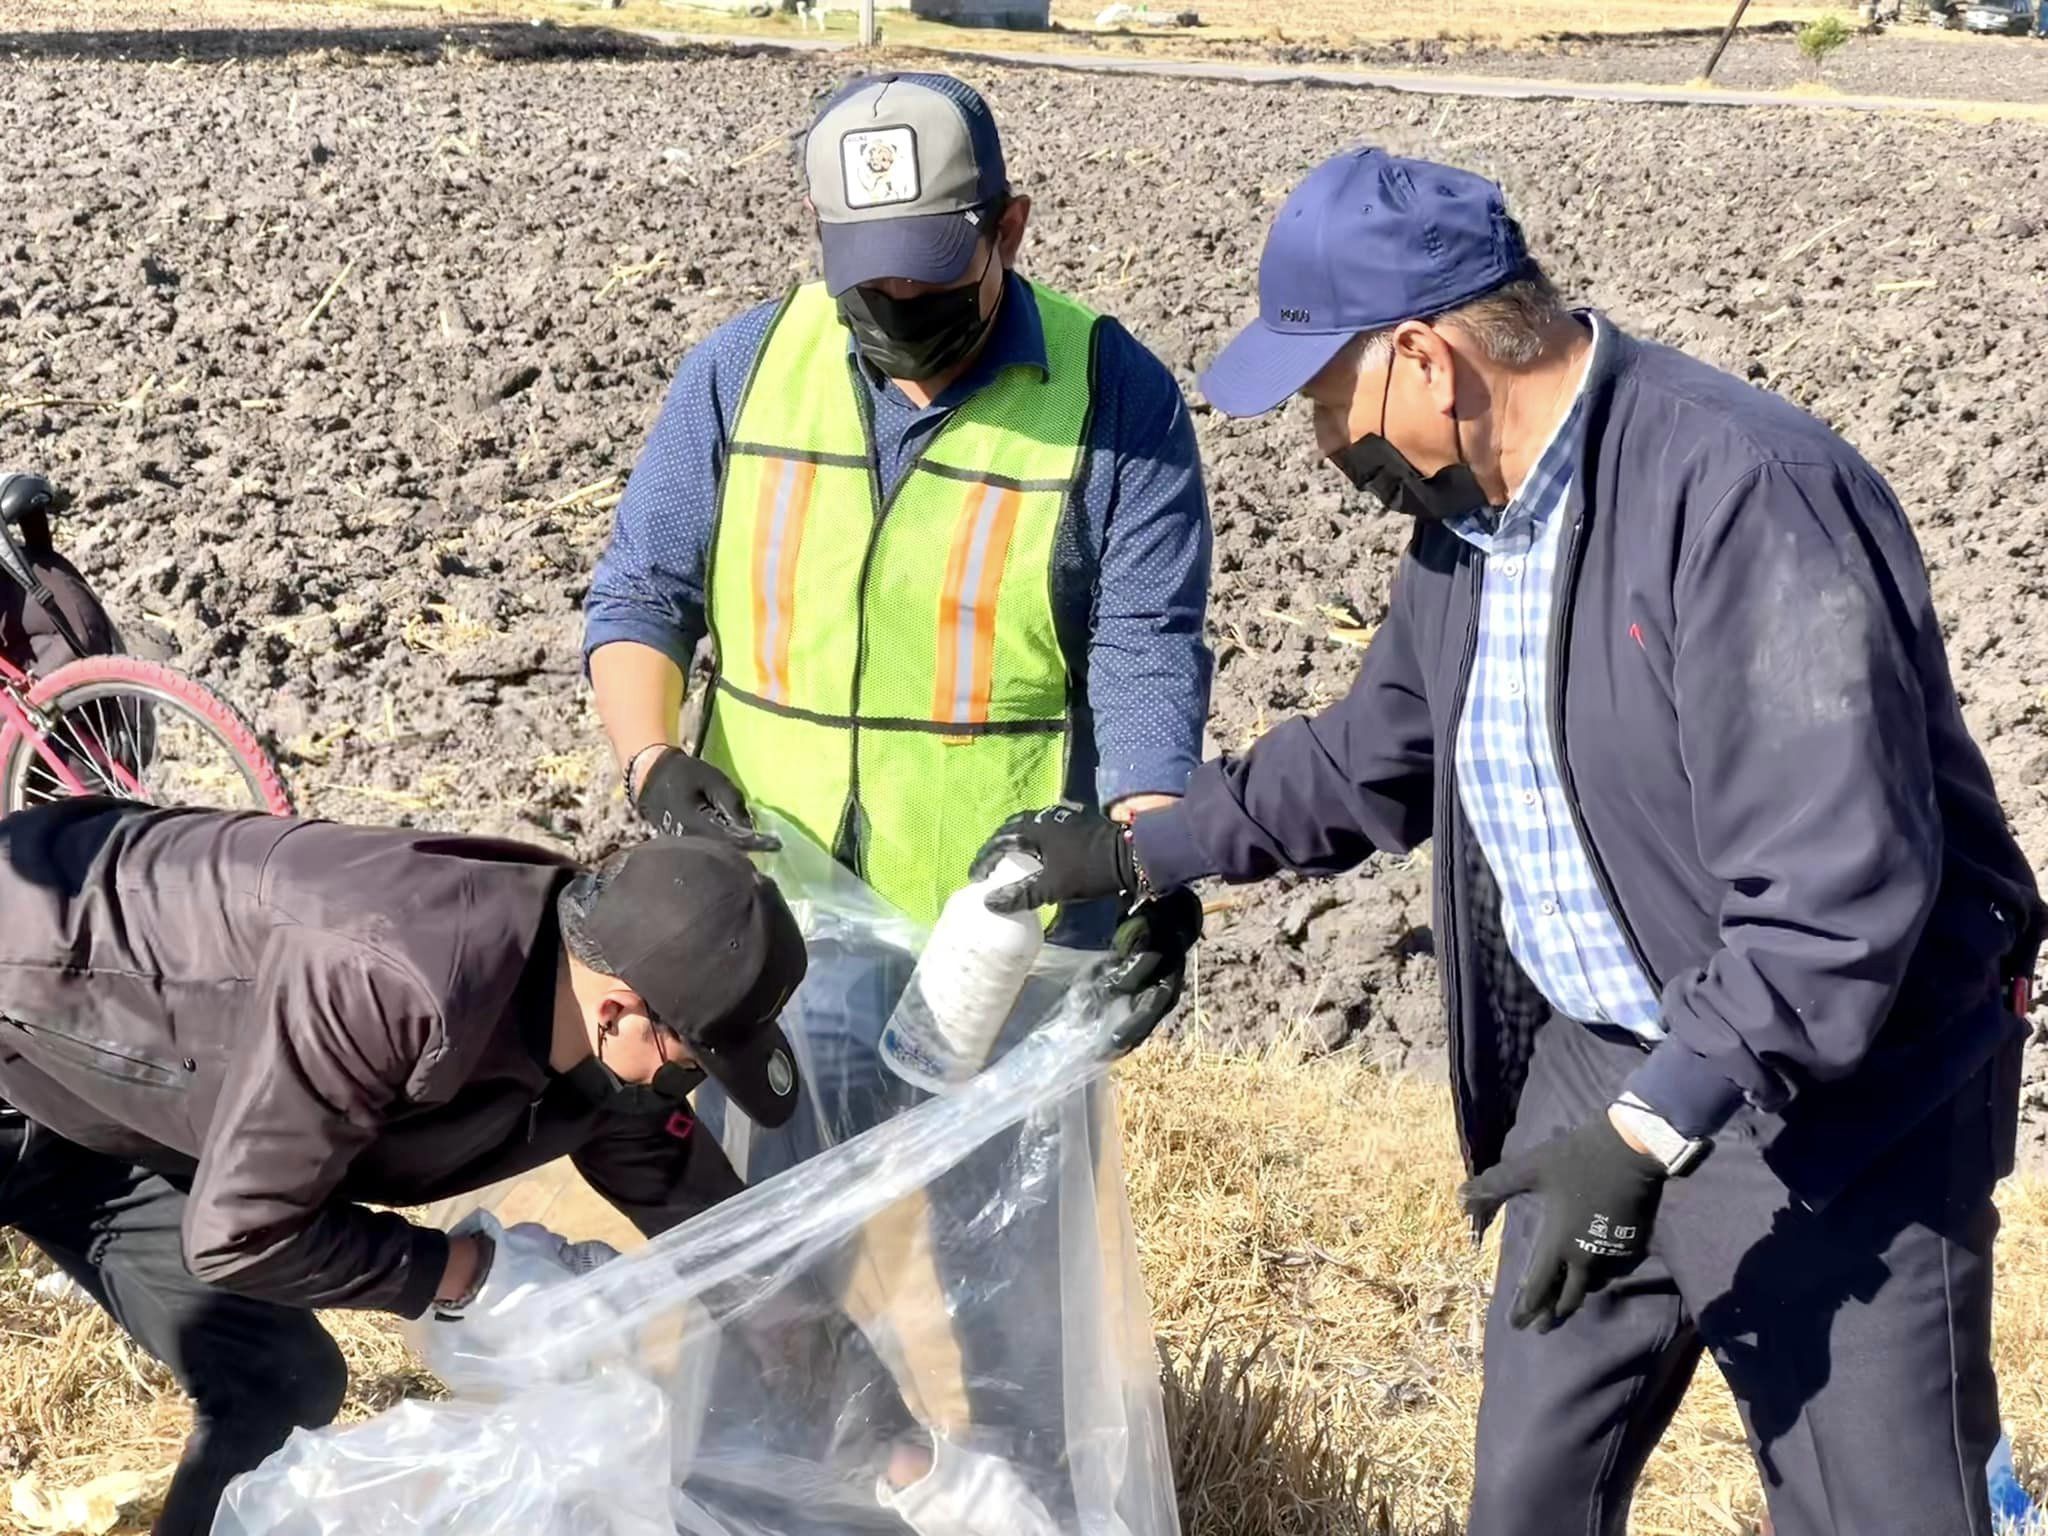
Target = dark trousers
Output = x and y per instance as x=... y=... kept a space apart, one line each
x=1856 y=1339
x=253 y=1370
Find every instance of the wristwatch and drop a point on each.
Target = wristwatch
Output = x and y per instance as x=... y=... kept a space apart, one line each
x=1679 y=1153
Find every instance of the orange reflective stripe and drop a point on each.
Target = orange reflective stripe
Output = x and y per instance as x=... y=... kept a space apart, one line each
x=985 y=602
x=948 y=646
x=779 y=517
x=967 y=605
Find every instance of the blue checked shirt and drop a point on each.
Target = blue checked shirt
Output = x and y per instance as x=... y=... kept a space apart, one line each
x=1130 y=577
x=1559 y=926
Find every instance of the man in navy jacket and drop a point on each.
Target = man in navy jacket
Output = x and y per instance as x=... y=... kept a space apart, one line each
x=1730 y=925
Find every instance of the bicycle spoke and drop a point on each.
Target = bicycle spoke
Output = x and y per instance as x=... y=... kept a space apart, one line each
x=105 y=754
x=129 y=759
x=112 y=754
x=102 y=753
x=114 y=747
x=84 y=760
x=131 y=743
x=58 y=789
x=131 y=737
x=133 y=728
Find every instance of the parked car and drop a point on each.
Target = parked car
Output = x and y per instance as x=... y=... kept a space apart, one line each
x=2013 y=16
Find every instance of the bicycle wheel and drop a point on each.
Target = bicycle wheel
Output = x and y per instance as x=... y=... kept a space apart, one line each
x=136 y=730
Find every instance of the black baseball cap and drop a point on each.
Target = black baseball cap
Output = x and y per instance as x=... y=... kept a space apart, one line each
x=708 y=942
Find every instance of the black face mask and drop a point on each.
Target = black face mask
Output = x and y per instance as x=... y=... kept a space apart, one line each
x=916 y=338
x=604 y=1089
x=1373 y=464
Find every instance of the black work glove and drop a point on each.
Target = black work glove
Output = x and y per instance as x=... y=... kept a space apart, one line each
x=1600 y=1200
x=1082 y=856
x=1151 y=964
x=684 y=796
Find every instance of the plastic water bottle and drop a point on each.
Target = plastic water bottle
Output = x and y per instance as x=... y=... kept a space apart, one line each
x=966 y=983
x=2012 y=1512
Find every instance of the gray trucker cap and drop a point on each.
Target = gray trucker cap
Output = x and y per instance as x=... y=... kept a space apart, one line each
x=904 y=172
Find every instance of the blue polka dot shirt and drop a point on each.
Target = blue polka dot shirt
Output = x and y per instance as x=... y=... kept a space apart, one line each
x=1130 y=564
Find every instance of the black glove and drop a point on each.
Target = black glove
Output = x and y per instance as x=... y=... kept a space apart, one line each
x=1600 y=1200
x=1151 y=967
x=684 y=796
x=1082 y=855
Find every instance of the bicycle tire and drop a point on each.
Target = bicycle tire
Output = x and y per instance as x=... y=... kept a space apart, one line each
x=92 y=678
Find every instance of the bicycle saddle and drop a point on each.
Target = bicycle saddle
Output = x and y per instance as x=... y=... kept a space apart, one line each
x=28 y=502
x=25 y=496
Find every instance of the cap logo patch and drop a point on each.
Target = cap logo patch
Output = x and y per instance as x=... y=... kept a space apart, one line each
x=879 y=166
x=781 y=1074
x=1294 y=317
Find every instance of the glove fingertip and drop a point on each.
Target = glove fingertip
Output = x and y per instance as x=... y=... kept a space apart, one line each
x=1003 y=841
x=1481 y=1197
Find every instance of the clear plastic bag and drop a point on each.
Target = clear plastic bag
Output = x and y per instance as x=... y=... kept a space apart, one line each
x=585 y=1460
x=930 y=1318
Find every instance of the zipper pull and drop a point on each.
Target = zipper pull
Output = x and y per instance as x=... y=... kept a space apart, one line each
x=533 y=1117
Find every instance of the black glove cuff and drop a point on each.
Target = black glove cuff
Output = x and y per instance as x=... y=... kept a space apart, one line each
x=633 y=763
x=1130 y=874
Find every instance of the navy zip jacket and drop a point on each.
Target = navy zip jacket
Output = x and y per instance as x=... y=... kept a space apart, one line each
x=1757 y=730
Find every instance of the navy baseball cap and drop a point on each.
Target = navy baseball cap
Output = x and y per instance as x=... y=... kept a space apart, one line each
x=1366 y=241
x=904 y=172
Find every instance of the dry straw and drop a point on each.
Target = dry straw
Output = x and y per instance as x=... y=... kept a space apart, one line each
x=1317 y=1300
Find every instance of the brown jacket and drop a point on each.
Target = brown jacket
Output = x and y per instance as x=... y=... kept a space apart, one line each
x=290 y=1017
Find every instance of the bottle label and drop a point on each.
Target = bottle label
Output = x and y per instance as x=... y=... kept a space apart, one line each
x=966 y=983
x=912 y=1059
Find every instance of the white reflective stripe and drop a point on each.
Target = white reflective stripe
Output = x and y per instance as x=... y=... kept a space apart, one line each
x=970 y=584
x=774 y=619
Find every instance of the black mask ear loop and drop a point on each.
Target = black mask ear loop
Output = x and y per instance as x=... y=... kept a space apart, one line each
x=1488 y=514
x=1386 y=389
x=990 y=320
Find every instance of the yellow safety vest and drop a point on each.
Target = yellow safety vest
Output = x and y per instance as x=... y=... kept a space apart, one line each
x=890 y=675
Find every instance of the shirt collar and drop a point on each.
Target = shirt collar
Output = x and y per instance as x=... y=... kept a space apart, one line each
x=1551 y=473
x=1015 y=340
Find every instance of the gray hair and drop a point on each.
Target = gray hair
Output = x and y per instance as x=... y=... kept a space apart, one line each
x=1510 y=325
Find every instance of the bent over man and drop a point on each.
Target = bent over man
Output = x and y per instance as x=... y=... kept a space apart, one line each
x=1729 y=921
x=223 y=1036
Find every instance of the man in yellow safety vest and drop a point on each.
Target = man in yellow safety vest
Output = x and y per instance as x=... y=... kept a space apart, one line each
x=944 y=528
x=945 y=532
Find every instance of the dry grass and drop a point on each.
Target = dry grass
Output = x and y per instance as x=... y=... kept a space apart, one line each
x=79 y=1403
x=1307 y=1207
x=1310 y=1278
